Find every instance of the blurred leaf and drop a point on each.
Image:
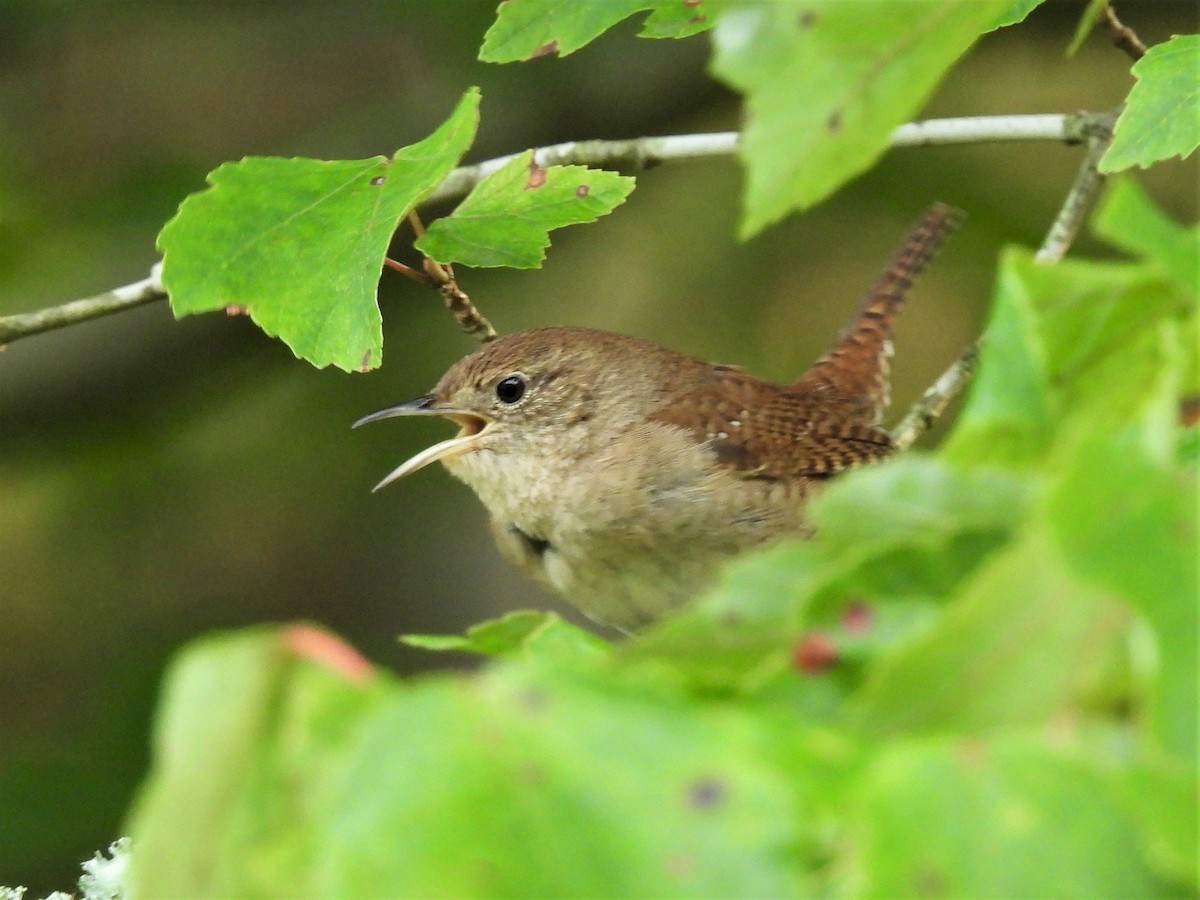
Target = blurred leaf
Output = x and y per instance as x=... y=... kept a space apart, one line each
x=1159 y=120
x=1013 y=648
x=912 y=528
x=909 y=529
x=1124 y=493
x=1189 y=447
x=1127 y=218
x=1162 y=800
x=1052 y=330
x=246 y=743
x=747 y=622
x=527 y=28
x=526 y=782
x=1003 y=818
x=513 y=633
x=506 y=219
x=1087 y=21
x=298 y=244
x=827 y=81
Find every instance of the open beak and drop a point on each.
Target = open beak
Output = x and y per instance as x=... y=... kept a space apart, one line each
x=473 y=427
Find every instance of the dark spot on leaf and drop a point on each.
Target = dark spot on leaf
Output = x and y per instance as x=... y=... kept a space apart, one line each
x=366 y=362
x=533 y=700
x=681 y=866
x=814 y=652
x=807 y=19
x=858 y=616
x=696 y=20
x=834 y=122
x=537 y=176
x=531 y=775
x=582 y=190
x=691 y=4
x=378 y=180
x=929 y=882
x=545 y=50
x=1189 y=411
x=971 y=752
x=731 y=618
x=235 y=309
x=707 y=793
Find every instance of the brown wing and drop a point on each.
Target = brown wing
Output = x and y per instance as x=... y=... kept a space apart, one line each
x=855 y=375
x=764 y=430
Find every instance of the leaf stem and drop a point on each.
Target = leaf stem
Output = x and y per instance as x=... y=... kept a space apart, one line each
x=1123 y=37
x=637 y=153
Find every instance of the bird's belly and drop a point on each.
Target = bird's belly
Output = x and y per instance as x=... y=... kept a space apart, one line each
x=630 y=571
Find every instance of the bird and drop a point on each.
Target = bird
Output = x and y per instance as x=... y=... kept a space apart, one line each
x=624 y=475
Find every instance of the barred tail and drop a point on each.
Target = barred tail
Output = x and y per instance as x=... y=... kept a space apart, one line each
x=856 y=372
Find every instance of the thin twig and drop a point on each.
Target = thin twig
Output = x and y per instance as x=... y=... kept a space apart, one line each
x=21 y=325
x=470 y=319
x=406 y=271
x=1079 y=200
x=1058 y=240
x=1070 y=129
x=1123 y=36
x=440 y=277
x=937 y=397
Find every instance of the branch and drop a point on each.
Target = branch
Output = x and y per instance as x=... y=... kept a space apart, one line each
x=637 y=153
x=1058 y=240
x=21 y=325
x=1123 y=37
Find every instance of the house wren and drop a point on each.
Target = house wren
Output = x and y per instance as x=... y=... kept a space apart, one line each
x=623 y=474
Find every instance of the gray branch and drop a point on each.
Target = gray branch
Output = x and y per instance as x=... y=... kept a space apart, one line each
x=635 y=153
x=1062 y=233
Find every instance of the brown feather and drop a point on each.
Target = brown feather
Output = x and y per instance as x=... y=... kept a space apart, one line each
x=855 y=375
x=827 y=421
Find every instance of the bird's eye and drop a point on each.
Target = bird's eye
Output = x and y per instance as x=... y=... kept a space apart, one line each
x=510 y=389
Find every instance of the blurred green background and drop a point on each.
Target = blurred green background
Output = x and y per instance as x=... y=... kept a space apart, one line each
x=159 y=479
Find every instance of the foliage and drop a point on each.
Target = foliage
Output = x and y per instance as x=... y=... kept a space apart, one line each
x=1160 y=118
x=506 y=219
x=853 y=71
x=979 y=678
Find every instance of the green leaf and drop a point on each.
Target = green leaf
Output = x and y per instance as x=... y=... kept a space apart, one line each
x=1003 y=818
x=514 y=633
x=1162 y=799
x=1124 y=491
x=525 y=29
x=1016 y=13
x=529 y=782
x=676 y=19
x=1127 y=218
x=1003 y=653
x=890 y=536
x=742 y=630
x=1159 y=120
x=827 y=81
x=910 y=529
x=1052 y=330
x=247 y=741
x=1087 y=21
x=298 y=244
x=506 y=219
